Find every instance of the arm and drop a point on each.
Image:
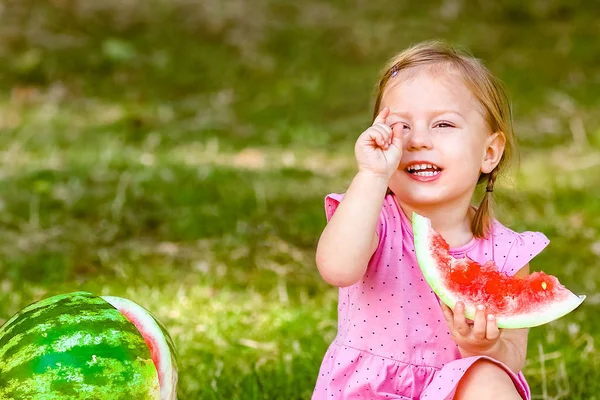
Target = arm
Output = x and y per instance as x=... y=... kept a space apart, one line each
x=512 y=349
x=349 y=239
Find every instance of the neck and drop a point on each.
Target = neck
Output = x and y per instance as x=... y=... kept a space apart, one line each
x=452 y=221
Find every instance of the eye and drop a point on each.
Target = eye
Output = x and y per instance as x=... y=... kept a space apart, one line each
x=444 y=124
x=402 y=124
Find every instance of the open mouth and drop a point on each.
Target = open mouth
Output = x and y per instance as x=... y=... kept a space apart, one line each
x=423 y=169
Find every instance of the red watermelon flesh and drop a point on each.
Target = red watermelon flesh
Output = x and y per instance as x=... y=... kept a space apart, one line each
x=515 y=302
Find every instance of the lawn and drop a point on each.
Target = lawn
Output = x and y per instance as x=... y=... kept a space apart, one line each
x=177 y=153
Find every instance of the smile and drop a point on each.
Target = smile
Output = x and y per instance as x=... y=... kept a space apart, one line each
x=424 y=170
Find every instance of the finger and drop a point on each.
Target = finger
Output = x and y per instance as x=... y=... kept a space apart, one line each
x=383 y=114
x=492 y=332
x=397 y=135
x=448 y=315
x=460 y=323
x=386 y=131
x=480 y=323
x=386 y=128
x=377 y=136
x=380 y=128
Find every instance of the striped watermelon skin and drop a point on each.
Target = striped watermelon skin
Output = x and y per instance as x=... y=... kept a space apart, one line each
x=74 y=346
x=158 y=341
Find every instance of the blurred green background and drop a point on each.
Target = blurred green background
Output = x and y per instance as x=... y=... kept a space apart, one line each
x=177 y=152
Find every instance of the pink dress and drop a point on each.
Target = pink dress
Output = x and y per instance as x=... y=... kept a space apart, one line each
x=392 y=340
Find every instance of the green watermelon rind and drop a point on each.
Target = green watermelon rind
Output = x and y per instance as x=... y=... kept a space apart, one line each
x=98 y=349
x=153 y=327
x=547 y=313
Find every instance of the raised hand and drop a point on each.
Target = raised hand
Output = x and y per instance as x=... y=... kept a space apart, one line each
x=379 y=148
x=482 y=337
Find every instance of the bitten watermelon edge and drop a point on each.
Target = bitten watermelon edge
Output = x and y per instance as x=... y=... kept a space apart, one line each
x=516 y=303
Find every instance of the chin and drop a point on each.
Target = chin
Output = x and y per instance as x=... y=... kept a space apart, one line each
x=434 y=193
x=428 y=195
x=421 y=199
x=409 y=192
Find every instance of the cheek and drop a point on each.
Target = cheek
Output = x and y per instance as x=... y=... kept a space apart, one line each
x=459 y=148
x=466 y=158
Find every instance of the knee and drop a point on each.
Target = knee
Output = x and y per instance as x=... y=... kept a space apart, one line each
x=486 y=380
x=488 y=369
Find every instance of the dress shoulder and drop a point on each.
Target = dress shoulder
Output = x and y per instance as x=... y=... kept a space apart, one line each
x=513 y=250
x=389 y=217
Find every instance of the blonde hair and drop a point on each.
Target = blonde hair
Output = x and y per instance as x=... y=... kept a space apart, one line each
x=486 y=88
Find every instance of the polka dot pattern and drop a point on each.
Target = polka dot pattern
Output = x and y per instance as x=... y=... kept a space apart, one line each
x=392 y=338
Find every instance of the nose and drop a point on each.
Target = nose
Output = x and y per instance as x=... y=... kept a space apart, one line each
x=418 y=138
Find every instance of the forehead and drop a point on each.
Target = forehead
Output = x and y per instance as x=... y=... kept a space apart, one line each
x=431 y=88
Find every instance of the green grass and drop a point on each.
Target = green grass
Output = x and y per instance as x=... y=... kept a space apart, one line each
x=177 y=154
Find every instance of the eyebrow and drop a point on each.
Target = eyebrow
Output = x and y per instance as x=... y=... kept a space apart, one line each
x=433 y=112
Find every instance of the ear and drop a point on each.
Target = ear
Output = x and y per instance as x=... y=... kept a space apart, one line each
x=494 y=148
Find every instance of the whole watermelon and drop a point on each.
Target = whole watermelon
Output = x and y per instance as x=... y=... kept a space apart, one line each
x=79 y=346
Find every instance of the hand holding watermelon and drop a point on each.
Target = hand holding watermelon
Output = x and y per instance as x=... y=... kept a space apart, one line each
x=478 y=338
x=77 y=345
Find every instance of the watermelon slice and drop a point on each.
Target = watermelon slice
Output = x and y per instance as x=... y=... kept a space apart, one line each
x=78 y=345
x=516 y=303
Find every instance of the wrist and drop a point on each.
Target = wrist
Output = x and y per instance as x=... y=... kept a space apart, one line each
x=501 y=351
x=376 y=177
x=495 y=351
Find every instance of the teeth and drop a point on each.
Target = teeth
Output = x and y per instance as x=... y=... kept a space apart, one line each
x=418 y=167
x=427 y=173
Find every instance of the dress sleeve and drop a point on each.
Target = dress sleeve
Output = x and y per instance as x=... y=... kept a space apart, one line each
x=332 y=202
x=521 y=249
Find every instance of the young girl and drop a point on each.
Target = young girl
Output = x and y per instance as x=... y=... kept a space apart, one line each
x=442 y=125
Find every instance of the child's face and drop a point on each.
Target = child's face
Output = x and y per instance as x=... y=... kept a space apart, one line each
x=443 y=125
